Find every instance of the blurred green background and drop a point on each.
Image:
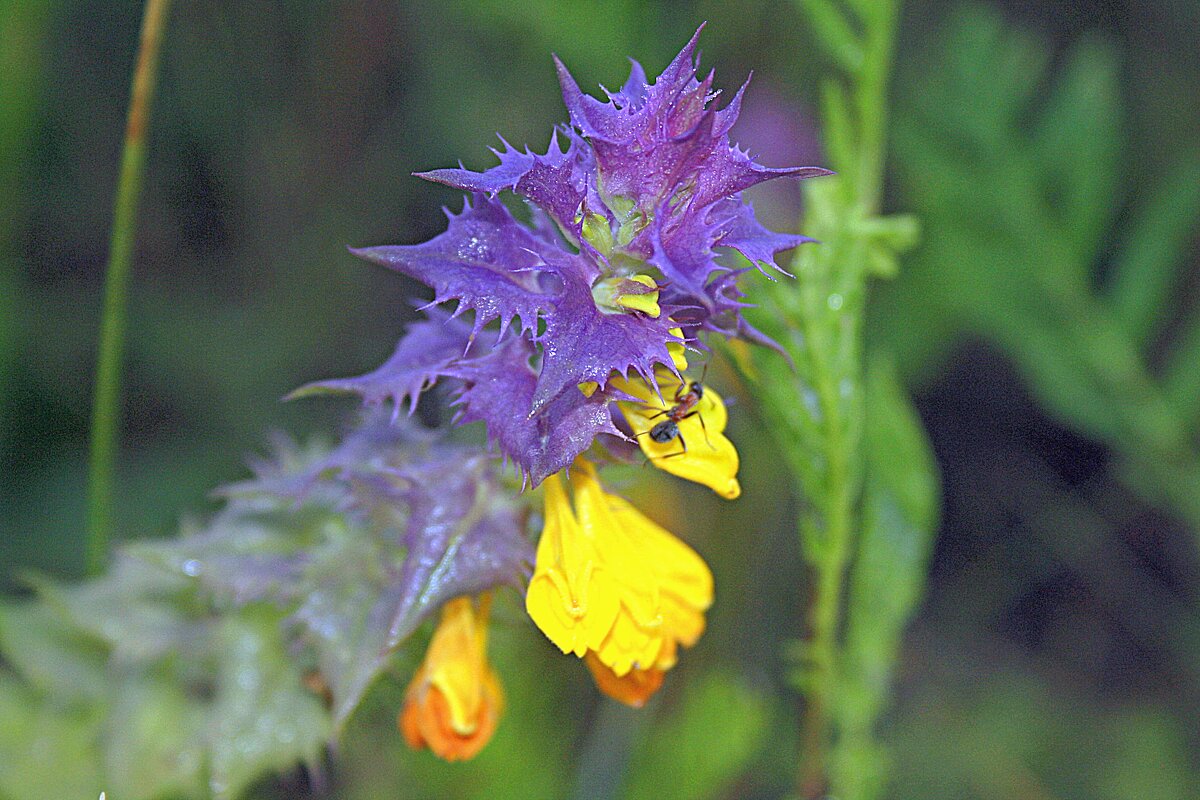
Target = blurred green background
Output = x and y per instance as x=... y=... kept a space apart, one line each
x=1048 y=327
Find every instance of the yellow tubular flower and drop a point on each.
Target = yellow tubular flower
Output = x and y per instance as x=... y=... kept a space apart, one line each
x=659 y=586
x=572 y=596
x=685 y=583
x=454 y=701
x=699 y=451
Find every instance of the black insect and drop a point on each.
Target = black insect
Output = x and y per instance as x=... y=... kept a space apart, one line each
x=687 y=398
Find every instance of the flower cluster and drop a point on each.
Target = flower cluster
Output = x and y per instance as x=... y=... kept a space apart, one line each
x=574 y=350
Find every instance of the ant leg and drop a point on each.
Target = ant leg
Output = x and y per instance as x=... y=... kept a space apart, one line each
x=683 y=452
x=703 y=427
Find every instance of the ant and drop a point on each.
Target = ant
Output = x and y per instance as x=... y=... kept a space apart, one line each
x=687 y=397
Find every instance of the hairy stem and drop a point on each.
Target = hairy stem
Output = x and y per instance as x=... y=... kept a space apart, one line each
x=107 y=399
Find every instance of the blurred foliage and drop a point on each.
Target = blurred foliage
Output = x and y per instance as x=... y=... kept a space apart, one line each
x=697 y=752
x=132 y=683
x=1018 y=263
x=1017 y=737
x=1047 y=323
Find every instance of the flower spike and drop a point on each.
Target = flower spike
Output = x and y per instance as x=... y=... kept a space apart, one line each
x=634 y=203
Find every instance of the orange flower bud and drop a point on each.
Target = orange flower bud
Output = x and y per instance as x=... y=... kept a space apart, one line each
x=454 y=701
x=633 y=688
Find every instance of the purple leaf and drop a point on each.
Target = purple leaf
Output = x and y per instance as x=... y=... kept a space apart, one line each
x=745 y=234
x=499 y=390
x=581 y=343
x=424 y=352
x=461 y=539
x=486 y=261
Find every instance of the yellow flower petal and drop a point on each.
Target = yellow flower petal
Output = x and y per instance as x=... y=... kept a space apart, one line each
x=611 y=584
x=685 y=582
x=677 y=351
x=646 y=303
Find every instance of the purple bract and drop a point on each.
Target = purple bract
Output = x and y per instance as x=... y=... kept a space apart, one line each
x=647 y=189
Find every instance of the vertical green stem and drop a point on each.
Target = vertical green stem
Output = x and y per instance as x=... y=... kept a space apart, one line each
x=106 y=411
x=818 y=411
x=835 y=347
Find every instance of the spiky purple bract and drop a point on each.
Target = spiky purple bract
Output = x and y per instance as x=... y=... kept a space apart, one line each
x=648 y=185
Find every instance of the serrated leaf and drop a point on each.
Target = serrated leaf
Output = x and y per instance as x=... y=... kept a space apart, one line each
x=461 y=539
x=347 y=612
x=262 y=718
x=133 y=609
x=427 y=348
x=50 y=655
x=250 y=551
x=153 y=739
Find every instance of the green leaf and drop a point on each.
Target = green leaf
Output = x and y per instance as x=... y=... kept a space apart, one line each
x=51 y=656
x=1015 y=221
x=1012 y=735
x=153 y=739
x=1181 y=376
x=837 y=125
x=706 y=744
x=262 y=718
x=1149 y=263
x=46 y=751
x=1077 y=141
x=348 y=615
x=900 y=511
x=1058 y=375
x=899 y=459
x=835 y=33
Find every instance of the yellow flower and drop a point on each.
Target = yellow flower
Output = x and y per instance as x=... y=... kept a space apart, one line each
x=696 y=448
x=611 y=584
x=454 y=701
x=572 y=596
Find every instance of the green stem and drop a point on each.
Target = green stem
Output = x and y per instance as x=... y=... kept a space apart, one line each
x=106 y=411
x=833 y=355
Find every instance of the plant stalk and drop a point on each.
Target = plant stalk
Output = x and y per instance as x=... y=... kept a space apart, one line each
x=834 y=355
x=106 y=407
